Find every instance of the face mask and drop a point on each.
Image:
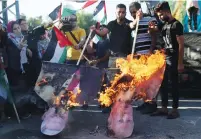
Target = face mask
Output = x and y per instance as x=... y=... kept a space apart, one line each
x=69 y=26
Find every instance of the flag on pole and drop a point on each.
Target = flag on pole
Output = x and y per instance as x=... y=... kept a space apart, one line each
x=69 y=8
x=57 y=48
x=89 y=3
x=62 y=40
x=100 y=13
x=56 y=13
x=99 y=8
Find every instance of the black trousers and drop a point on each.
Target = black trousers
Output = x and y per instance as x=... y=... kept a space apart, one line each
x=193 y=17
x=170 y=82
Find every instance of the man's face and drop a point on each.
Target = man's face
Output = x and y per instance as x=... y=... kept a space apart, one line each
x=121 y=13
x=133 y=12
x=163 y=16
x=24 y=26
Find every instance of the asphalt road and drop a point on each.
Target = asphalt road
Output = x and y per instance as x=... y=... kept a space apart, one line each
x=188 y=126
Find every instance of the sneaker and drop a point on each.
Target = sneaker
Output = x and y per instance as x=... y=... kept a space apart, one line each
x=173 y=114
x=141 y=106
x=149 y=108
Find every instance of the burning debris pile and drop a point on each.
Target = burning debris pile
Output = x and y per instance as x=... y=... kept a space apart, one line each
x=140 y=78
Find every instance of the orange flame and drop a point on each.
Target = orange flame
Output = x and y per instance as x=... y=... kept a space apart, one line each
x=134 y=71
x=67 y=100
x=72 y=101
x=42 y=82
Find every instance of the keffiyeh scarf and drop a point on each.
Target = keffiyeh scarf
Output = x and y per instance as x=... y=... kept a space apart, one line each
x=23 y=51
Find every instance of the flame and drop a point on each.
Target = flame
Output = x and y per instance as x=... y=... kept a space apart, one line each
x=57 y=100
x=134 y=71
x=67 y=99
x=42 y=82
x=72 y=98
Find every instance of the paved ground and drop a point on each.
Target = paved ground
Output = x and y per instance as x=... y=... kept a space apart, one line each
x=146 y=127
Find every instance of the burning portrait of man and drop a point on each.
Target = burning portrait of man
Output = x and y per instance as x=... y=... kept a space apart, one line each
x=63 y=87
x=140 y=78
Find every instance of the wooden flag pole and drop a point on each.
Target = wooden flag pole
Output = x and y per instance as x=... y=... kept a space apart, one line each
x=16 y=113
x=11 y=97
x=86 y=59
x=85 y=45
x=135 y=38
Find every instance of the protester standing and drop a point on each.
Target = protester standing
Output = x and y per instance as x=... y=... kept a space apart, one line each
x=192 y=8
x=76 y=35
x=172 y=33
x=24 y=27
x=119 y=34
x=145 y=44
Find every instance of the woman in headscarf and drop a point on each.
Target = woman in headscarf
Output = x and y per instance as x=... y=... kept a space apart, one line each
x=18 y=54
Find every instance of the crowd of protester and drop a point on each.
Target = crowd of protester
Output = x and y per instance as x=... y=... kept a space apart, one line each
x=21 y=50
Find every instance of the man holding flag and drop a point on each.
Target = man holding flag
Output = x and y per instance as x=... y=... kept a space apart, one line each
x=120 y=33
x=76 y=36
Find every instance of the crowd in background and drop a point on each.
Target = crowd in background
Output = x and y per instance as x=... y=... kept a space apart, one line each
x=22 y=51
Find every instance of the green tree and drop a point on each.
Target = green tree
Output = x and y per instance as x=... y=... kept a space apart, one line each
x=85 y=20
x=34 y=22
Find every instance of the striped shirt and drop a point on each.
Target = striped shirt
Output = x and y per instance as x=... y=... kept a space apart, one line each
x=143 y=41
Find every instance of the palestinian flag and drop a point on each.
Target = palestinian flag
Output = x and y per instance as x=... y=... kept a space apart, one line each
x=89 y=3
x=56 y=50
x=69 y=8
x=100 y=13
x=4 y=87
x=56 y=13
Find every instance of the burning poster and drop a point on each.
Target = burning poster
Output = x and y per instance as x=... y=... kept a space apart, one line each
x=140 y=78
x=57 y=77
x=65 y=86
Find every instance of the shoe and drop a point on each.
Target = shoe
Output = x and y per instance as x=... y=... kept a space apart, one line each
x=173 y=114
x=106 y=110
x=149 y=108
x=160 y=112
x=25 y=116
x=190 y=30
x=141 y=106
